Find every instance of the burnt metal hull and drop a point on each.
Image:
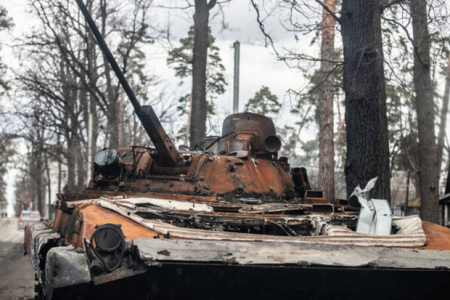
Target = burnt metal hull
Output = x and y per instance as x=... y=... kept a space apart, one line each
x=162 y=268
x=177 y=280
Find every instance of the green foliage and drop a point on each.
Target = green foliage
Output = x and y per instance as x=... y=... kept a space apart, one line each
x=180 y=136
x=264 y=102
x=287 y=135
x=312 y=97
x=5 y=21
x=311 y=153
x=184 y=103
x=181 y=59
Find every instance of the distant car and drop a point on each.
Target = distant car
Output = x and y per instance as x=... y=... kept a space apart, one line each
x=28 y=216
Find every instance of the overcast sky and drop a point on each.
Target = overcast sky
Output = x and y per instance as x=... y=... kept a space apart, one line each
x=258 y=64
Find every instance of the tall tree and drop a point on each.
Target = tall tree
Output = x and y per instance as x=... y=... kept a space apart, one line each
x=429 y=170
x=365 y=96
x=326 y=112
x=199 y=60
x=444 y=113
x=363 y=76
x=181 y=60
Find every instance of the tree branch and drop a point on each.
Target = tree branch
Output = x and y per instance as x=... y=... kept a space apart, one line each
x=329 y=11
x=211 y=4
x=383 y=7
x=409 y=38
x=263 y=30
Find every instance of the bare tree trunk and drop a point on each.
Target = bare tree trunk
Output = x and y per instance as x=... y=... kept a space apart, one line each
x=37 y=173
x=73 y=143
x=70 y=158
x=326 y=114
x=49 y=188
x=92 y=75
x=120 y=120
x=95 y=129
x=59 y=154
x=444 y=113
x=197 y=129
x=340 y=136
x=113 y=103
x=81 y=167
x=365 y=97
x=428 y=168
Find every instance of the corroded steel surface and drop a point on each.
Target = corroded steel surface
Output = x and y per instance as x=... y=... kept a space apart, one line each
x=438 y=237
x=75 y=224
x=69 y=223
x=206 y=176
x=247 y=132
x=97 y=215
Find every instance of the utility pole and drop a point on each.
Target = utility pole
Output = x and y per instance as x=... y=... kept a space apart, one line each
x=188 y=126
x=236 y=46
x=89 y=149
x=405 y=209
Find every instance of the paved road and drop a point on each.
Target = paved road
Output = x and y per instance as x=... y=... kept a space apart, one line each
x=16 y=273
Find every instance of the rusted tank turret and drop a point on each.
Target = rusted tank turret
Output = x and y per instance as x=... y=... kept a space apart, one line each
x=246 y=166
x=230 y=221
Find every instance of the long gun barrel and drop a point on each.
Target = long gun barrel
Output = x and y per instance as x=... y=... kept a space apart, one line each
x=164 y=145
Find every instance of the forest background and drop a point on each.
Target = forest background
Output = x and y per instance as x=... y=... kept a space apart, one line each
x=49 y=60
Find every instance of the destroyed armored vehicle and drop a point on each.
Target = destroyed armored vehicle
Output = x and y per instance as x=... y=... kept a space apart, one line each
x=231 y=221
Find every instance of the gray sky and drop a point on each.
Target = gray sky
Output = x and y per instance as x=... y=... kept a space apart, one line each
x=258 y=64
